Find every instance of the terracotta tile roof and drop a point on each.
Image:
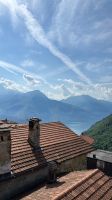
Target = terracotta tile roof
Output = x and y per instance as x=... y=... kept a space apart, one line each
x=57 y=143
x=88 y=139
x=48 y=192
x=96 y=186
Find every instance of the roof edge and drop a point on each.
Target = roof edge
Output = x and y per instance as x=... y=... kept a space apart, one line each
x=61 y=195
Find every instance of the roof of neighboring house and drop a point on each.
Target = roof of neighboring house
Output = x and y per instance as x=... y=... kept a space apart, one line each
x=101 y=155
x=57 y=142
x=77 y=185
x=1 y=122
x=97 y=186
x=5 y=122
x=50 y=191
x=87 y=138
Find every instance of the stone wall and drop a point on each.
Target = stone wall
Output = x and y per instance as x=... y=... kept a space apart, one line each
x=5 y=152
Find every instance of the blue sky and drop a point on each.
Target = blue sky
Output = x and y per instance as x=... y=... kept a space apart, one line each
x=60 y=47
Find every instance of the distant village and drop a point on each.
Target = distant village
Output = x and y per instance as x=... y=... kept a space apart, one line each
x=49 y=161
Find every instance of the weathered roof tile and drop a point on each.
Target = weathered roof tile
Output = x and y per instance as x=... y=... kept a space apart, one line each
x=94 y=187
x=57 y=142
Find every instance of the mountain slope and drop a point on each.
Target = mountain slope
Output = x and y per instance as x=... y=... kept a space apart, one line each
x=96 y=107
x=18 y=106
x=21 y=106
x=102 y=133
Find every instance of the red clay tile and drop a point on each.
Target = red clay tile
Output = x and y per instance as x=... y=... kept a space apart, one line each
x=57 y=141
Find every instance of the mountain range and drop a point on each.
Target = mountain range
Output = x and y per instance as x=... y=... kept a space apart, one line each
x=100 y=108
x=76 y=112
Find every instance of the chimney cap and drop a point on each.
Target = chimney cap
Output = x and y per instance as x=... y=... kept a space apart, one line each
x=35 y=119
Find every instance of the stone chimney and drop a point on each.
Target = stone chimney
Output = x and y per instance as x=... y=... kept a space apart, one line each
x=5 y=151
x=34 y=132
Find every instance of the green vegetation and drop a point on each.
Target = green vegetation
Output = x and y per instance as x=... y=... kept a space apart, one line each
x=102 y=133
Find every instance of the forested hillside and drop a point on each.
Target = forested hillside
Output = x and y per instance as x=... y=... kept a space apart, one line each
x=102 y=133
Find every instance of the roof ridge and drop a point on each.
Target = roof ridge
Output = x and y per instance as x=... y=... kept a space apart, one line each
x=55 y=122
x=62 y=123
x=61 y=195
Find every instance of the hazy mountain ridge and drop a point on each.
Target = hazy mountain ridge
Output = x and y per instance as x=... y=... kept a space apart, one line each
x=100 y=108
x=21 y=106
x=31 y=103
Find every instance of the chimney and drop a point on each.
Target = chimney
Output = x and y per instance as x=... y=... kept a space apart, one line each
x=34 y=132
x=94 y=155
x=5 y=151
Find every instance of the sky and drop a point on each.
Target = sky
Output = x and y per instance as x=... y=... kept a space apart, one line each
x=61 y=47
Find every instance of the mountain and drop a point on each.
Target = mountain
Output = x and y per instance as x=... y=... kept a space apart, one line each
x=21 y=106
x=99 y=108
x=102 y=133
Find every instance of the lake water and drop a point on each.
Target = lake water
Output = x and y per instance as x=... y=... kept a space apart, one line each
x=78 y=127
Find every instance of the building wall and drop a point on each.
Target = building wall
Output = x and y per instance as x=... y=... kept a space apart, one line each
x=5 y=152
x=22 y=183
x=93 y=163
x=77 y=163
x=10 y=188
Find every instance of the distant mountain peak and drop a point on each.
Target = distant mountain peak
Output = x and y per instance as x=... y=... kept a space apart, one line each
x=36 y=93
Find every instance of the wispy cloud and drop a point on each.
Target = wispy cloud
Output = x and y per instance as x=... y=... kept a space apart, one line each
x=30 y=79
x=80 y=23
x=11 y=5
x=17 y=69
x=12 y=85
x=78 y=28
x=11 y=67
x=98 y=90
x=39 y=35
x=32 y=82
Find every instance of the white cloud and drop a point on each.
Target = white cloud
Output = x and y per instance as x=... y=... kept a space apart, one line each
x=31 y=80
x=62 y=22
x=9 y=84
x=17 y=69
x=68 y=29
x=11 y=67
x=93 y=67
x=11 y=5
x=80 y=23
x=101 y=68
x=37 y=32
x=98 y=90
x=64 y=89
